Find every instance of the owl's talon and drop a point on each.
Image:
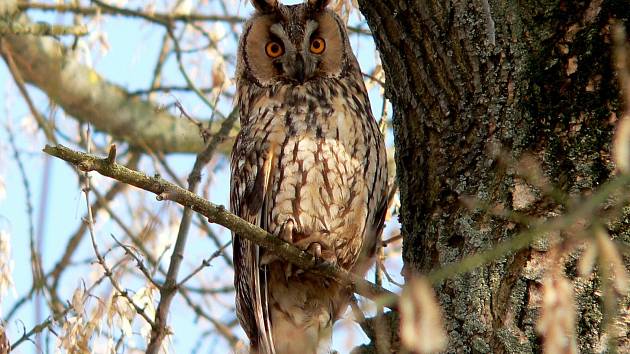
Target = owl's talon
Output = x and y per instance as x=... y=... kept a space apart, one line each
x=315 y=249
x=287 y=231
x=321 y=252
x=288 y=270
x=329 y=256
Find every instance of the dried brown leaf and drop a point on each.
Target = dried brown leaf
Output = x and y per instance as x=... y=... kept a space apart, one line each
x=556 y=324
x=421 y=323
x=609 y=256
x=587 y=260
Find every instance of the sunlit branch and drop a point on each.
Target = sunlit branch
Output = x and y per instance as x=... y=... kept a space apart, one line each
x=162 y=18
x=41 y=29
x=158 y=17
x=219 y=215
x=84 y=94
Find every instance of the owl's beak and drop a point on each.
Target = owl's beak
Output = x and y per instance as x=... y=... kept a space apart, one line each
x=299 y=73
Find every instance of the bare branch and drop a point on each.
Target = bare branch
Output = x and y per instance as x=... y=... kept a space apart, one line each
x=219 y=215
x=204 y=264
x=161 y=18
x=169 y=289
x=56 y=318
x=99 y=256
x=41 y=29
x=77 y=236
x=139 y=263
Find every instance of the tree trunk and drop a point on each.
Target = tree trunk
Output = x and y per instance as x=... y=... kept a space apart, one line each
x=476 y=86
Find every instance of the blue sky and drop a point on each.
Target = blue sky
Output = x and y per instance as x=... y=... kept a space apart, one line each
x=129 y=63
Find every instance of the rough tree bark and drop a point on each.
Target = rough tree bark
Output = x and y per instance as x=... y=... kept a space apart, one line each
x=468 y=79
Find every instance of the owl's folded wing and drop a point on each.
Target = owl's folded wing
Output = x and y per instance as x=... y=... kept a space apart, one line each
x=248 y=188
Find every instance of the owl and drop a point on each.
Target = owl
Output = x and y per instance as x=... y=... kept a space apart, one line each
x=308 y=166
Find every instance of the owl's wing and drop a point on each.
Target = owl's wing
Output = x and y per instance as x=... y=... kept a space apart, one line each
x=379 y=205
x=250 y=171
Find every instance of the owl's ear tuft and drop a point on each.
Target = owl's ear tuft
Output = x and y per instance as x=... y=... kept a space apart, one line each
x=318 y=4
x=265 y=6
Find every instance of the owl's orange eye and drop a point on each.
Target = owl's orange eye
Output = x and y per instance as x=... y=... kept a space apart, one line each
x=274 y=49
x=318 y=45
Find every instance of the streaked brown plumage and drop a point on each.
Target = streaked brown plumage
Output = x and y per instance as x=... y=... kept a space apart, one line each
x=308 y=166
x=5 y=346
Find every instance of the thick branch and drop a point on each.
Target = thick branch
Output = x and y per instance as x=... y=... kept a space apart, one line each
x=41 y=29
x=219 y=215
x=160 y=18
x=112 y=10
x=84 y=94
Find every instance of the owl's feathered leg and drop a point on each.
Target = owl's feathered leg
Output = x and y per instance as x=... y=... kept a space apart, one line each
x=302 y=315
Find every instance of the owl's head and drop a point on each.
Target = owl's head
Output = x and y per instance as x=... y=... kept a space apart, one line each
x=293 y=44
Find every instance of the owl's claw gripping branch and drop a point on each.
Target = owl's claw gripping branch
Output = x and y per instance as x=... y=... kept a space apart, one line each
x=219 y=215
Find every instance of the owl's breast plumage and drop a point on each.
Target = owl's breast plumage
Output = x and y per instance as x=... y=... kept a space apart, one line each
x=323 y=163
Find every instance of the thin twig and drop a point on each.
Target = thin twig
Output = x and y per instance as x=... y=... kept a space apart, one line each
x=203 y=223
x=168 y=291
x=222 y=290
x=392 y=240
x=204 y=264
x=157 y=70
x=171 y=88
x=139 y=263
x=38 y=273
x=56 y=318
x=205 y=227
x=99 y=257
x=381 y=265
x=221 y=328
x=77 y=236
x=182 y=70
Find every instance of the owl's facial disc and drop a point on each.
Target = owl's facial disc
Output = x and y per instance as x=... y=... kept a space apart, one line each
x=301 y=55
x=293 y=44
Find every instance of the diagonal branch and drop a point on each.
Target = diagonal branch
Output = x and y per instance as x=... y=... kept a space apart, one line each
x=219 y=215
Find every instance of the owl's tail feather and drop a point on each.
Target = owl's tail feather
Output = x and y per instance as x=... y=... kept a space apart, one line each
x=299 y=315
x=261 y=308
x=291 y=337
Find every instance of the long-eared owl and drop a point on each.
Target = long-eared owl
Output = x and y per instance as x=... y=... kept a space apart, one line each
x=309 y=166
